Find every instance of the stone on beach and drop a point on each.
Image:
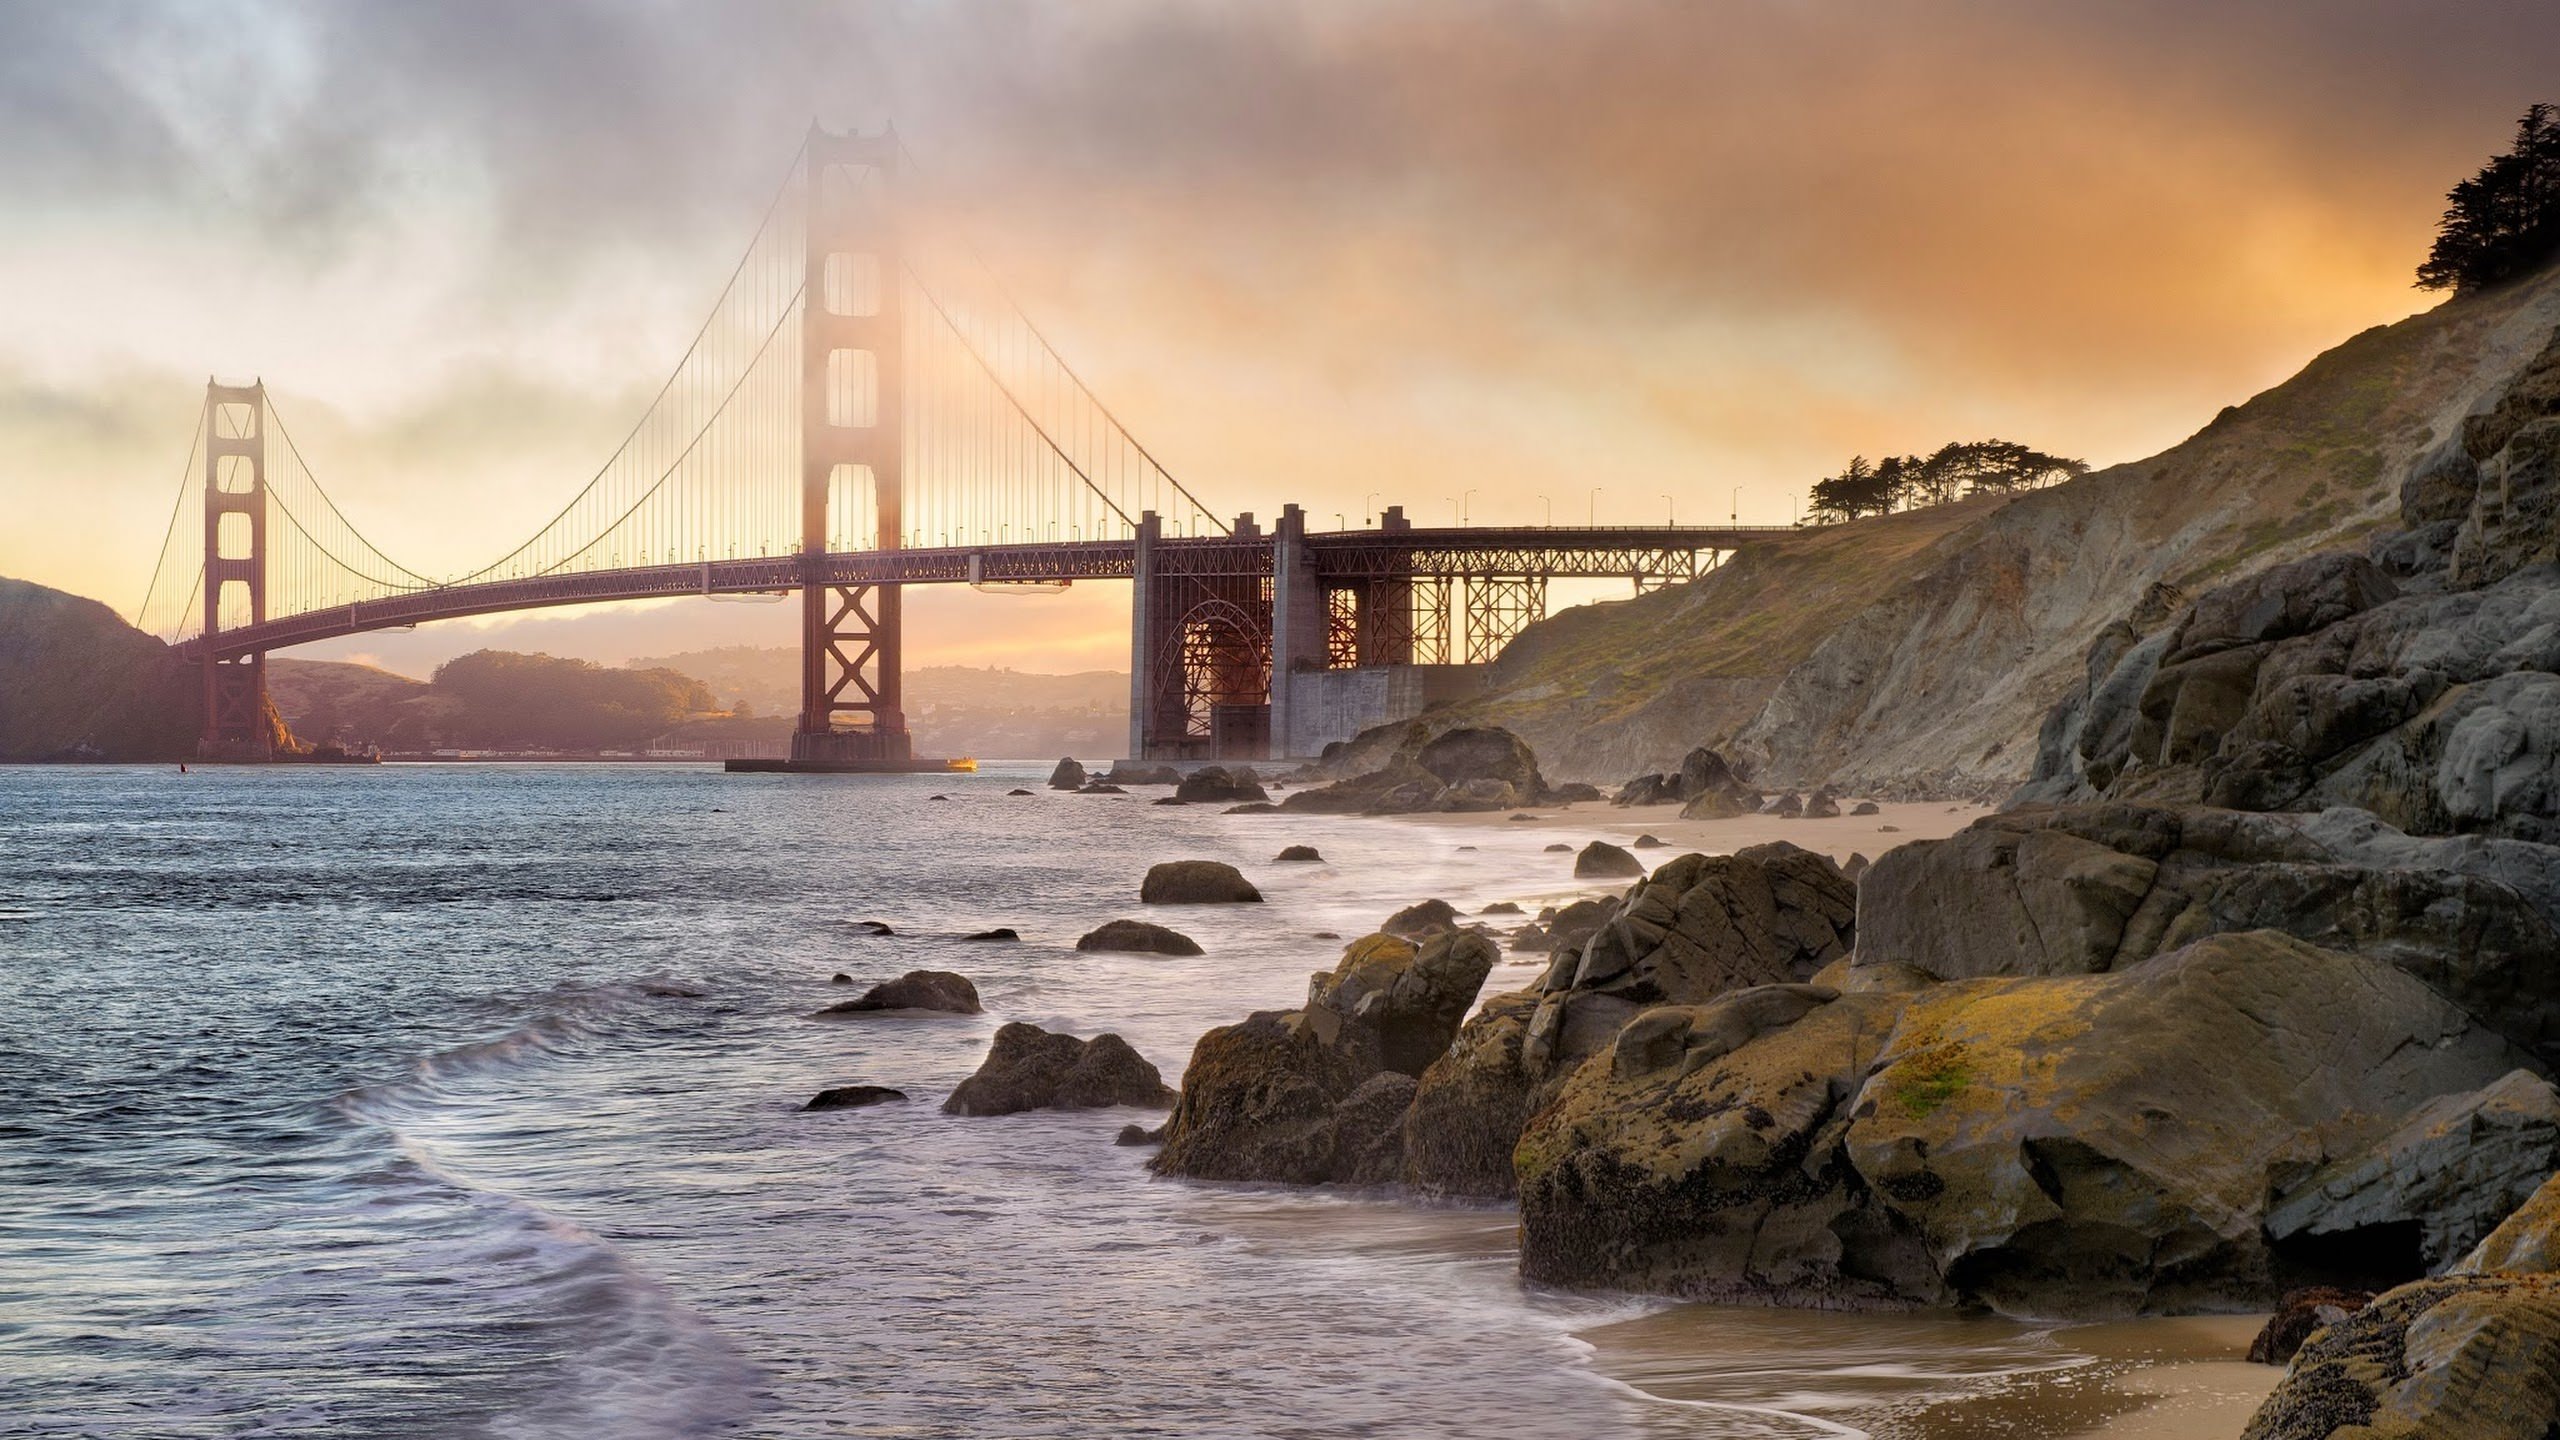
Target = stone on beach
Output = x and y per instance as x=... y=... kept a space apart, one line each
x=1028 y=1068
x=1601 y=860
x=1196 y=882
x=1297 y=854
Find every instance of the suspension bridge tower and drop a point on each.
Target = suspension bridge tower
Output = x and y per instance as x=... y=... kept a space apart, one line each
x=851 y=436
x=238 y=724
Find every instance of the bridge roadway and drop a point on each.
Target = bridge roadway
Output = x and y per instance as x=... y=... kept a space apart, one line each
x=1603 y=552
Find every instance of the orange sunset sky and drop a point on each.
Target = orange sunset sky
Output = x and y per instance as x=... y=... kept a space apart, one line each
x=1307 y=252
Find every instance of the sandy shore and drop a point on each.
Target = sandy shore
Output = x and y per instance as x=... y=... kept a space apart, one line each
x=2186 y=1374
x=1838 y=837
x=1941 y=1375
x=2157 y=1379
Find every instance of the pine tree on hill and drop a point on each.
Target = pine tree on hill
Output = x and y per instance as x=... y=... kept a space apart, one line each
x=2504 y=221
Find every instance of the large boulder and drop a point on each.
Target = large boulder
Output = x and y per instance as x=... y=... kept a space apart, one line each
x=1471 y=1103
x=1215 y=784
x=1067 y=776
x=2087 y=1144
x=1028 y=1068
x=2053 y=1140
x=1139 y=937
x=1196 y=882
x=2094 y=888
x=1477 y=769
x=1484 y=753
x=940 y=991
x=1699 y=927
x=1280 y=1096
x=1701 y=1155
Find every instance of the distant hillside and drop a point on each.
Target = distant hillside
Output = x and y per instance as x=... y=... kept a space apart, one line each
x=331 y=702
x=1920 y=651
x=74 y=675
x=767 y=678
x=952 y=710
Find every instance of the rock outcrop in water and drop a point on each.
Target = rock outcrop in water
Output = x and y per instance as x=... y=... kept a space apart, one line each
x=1319 y=1094
x=1139 y=937
x=1197 y=882
x=1028 y=1068
x=938 y=991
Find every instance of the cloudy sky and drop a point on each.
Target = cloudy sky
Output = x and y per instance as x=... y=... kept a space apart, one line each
x=1308 y=252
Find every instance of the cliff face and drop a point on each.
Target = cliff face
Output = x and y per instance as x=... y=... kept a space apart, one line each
x=76 y=678
x=1918 y=652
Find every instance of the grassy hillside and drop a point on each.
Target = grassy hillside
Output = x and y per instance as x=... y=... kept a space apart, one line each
x=331 y=702
x=72 y=674
x=1919 y=651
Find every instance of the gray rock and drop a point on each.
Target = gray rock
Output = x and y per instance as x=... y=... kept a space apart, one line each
x=1215 y=784
x=2090 y=889
x=1197 y=882
x=1902 y=1145
x=853 y=1097
x=2457 y=1166
x=1295 y=1095
x=1297 y=855
x=1601 y=860
x=933 y=990
x=1421 y=920
x=1028 y=1068
x=1067 y=776
x=1699 y=927
x=1139 y=937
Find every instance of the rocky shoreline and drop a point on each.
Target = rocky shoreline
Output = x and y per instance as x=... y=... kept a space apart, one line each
x=2248 y=1000
x=2254 y=987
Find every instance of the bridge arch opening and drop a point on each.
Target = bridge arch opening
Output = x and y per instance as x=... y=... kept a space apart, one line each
x=1219 y=668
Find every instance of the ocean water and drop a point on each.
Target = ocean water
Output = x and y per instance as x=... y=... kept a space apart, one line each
x=360 y=1102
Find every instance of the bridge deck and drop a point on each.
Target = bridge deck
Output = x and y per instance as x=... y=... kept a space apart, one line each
x=1559 y=551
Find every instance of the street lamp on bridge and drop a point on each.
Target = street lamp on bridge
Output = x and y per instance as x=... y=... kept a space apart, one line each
x=1593 y=517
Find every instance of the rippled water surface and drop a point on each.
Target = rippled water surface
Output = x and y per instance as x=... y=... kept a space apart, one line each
x=362 y=1102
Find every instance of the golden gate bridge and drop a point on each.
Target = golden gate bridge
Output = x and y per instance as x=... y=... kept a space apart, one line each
x=865 y=409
